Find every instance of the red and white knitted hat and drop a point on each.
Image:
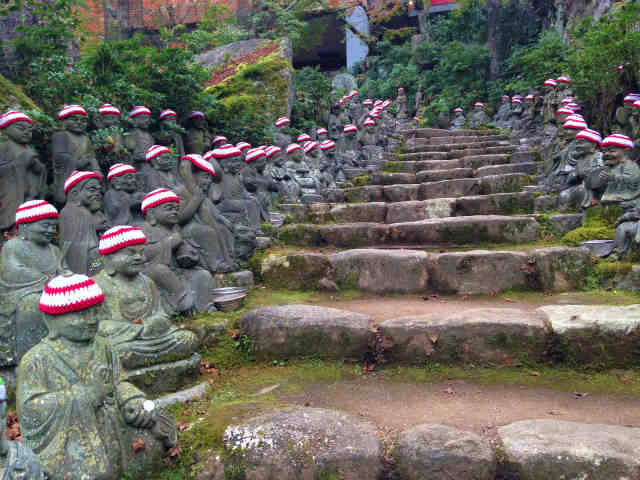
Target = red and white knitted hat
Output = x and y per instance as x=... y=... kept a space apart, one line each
x=369 y=121
x=303 y=137
x=353 y=93
x=108 y=109
x=254 y=154
x=563 y=79
x=199 y=162
x=220 y=139
x=197 y=114
x=310 y=146
x=119 y=237
x=574 y=106
x=550 y=82
x=119 y=169
x=516 y=100
x=156 y=150
x=575 y=117
x=618 y=140
x=458 y=110
x=226 y=151
x=505 y=97
x=69 y=110
x=479 y=104
x=566 y=100
x=292 y=148
x=368 y=102
x=35 y=210
x=529 y=98
x=564 y=111
x=78 y=176
x=322 y=131
x=327 y=145
x=69 y=293
x=167 y=113
x=282 y=121
x=590 y=135
x=386 y=103
x=574 y=125
x=350 y=128
x=272 y=150
x=158 y=197
x=377 y=103
x=243 y=145
x=12 y=117
x=139 y=110
x=636 y=104
x=631 y=97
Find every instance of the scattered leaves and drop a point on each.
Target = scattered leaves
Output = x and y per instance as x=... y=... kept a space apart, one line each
x=13 y=427
x=206 y=367
x=449 y=391
x=533 y=373
x=434 y=337
x=307 y=404
x=509 y=300
x=182 y=426
x=138 y=444
x=580 y=394
x=493 y=293
x=138 y=321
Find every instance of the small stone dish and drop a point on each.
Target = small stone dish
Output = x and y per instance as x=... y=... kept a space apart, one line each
x=229 y=299
x=599 y=248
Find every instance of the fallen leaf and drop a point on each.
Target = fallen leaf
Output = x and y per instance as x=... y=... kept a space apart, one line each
x=187 y=411
x=573 y=318
x=624 y=379
x=449 y=391
x=580 y=394
x=307 y=404
x=174 y=451
x=510 y=300
x=138 y=444
x=465 y=297
x=554 y=412
x=533 y=373
x=493 y=293
x=234 y=333
x=434 y=337
x=138 y=321
x=182 y=426
x=547 y=294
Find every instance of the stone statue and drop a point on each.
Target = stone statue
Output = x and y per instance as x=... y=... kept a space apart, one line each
x=122 y=198
x=635 y=121
x=622 y=175
x=170 y=260
x=28 y=262
x=515 y=118
x=108 y=138
x=356 y=109
x=22 y=176
x=80 y=221
x=478 y=117
x=256 y=181
x=138 y=326
x=198 y=138
x=369 y=141
x=76 y=411
x=71 y=148
x=298 y=169
x=326 y=179
x=349 y=151
x=160 y=169
x=335 y=166
x=138 y=140
x=170 y=133
x=401 y=101
x=550 y=104
x=337 y=121
x=417 y=107
x=282 y=138
x=562 y=166
x=17 y=462
x=322 y=134
x=623 y=116
x=313 y=156
x=459 y=120
x=288 y=188
x=501 y=118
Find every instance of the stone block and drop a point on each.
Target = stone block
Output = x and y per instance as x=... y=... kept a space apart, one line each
x=526 y=168
x=562 y=269
x=294 y=271
x=371 y=193
x=165 y=377
x=383 y=178
x=563 y=224
x=546 y=203
x=449 y=188
x=495 y=204
x=375 y=212
x=508 y=182
x=297 y=211
x=437 y=175
x=400 y=193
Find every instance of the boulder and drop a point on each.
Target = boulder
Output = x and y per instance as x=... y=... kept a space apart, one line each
x=166 y=377
x=303 y=443
x=293 y=271
x=559 y=450
x=439 y=452
x=564 y=223
x=304 y=330
x=381 y=271
x=562 y=269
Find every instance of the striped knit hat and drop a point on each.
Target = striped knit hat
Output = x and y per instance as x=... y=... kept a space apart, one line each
x=69 y=110
x=386 y=103
x=574 y=106
x=310 y=146
x=226 y=151
x=197 y=114
x=636 y=104
x=529 y=98
x=458 y=110
x=282 y=121
x=155 y=151
x=350 y=128
x=590 y=135
x=108 y=109
x=327 y=145
x=618 y=140
x=119 y=237
x=139 y=110
x=575 y=117
x=479 y=104
x=550 y=82
x=119 y=169
x=566 y=100
x=78 y=176
x=574 y=125
x=368 y=102
x=158 y=197
x=12 y=117
x=35 y=210
x=505 y=97
x=516 y=100
x=70 y=293
x=272 y=150
x=322 y=131
x=200 y=162
x=220 y=139
x=353 y=93
x=563 y=79
x=292 y=148
x=564 y=111
x=303 y=137
x=631 y=97
x=167 y=113
x=254 y=154
x=243 y=145
x=369 y=121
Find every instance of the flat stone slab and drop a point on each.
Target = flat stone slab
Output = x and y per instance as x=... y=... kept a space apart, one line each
x=486 y=335
x=420 y=210
x=293 y=271
x=559 y=450
x=183 y=396
x=526 y=168
x=165 y=377
x=292 y=331
x=304 y=443
x=575 y=318
x=439 y=452
x=383 y=178
x=359 y=212
x=449 y=174
x=381 y=271
x=496 y=204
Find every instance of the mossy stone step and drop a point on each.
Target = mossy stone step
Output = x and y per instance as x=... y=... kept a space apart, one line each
x=526 y=168
x=449 y=174
x=438 y=132
x=452 y=154
x=447 y=147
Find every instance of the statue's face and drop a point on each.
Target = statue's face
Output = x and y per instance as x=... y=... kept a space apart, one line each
x=330 y=154
x=168 y=123
x=570 y=133
x=478 y=109
x=232 y=165
x=505 y=101
x=166 y=213
x=203 y=180
x=75 y=123
x=127 y=182
x=259 y=163
x=141 y=121
x=611 y=155
x=78 y=327
x=284 y=129
x=315 y=153
x=199 y=122
x=350 y=135
x=371 y=128
x=128 y=262
x=584 y=147
x=278 y=159
x=164 y=162
x=41 y=232
x=110 y=120
x=20 y=132
x=90 y=195
x=296 y=156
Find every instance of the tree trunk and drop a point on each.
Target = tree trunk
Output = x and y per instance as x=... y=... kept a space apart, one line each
x=493 y=13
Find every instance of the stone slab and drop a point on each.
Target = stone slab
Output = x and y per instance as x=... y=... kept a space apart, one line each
x=526 y=168
x=564 y=223
x=400 y=193
x=495 y=204
x=420 y=210
x=293 y=271
x=561 y=269
x=461 y=187
x=575 y=318
x=359 y=212
x=505 y=183
x=436 y=175
x=383 y=178
x=477 y=161
x=372 y=193
x=166 y=377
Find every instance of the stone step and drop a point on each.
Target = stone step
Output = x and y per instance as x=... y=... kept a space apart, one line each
x=453 y=140
x=477 y=161
x=438 y=132
x=505 y=149
x=449 y=174
x=447 y=147
x=526 y=168
x=416 y=166
x=438 y=231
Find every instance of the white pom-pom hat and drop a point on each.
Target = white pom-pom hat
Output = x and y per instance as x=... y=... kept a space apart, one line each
x=590 y=135
x=529 y=98
x=139 y=110
x=636 y=104
x=199 y=162
x=12 y=117
x=119 y=169
x=479 y=104
x=254 y=154
x=69 y=110
x=272 y=150
x=368 y=102
x=618 y=140
x=292 y=148
x=516 y=100
x=167 y=113
x=350 y=128
x=154 y=151
x=78 y=176
x=564 y=111
x=108 y=109
x=70 y=293
x=158 y=197
x=35 y=210
x=120 y=237
x=282 y=121
x=458 y=110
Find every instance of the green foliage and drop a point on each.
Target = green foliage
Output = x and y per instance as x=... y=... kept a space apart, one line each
x=313 y=90
x=219 y=26
x=599 y=224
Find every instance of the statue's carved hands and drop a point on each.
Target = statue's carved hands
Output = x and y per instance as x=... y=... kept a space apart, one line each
x=101 y=383
x=156 y=324
x=604 y=175
x=134 y=414
x=632 y=216
x=175 y=239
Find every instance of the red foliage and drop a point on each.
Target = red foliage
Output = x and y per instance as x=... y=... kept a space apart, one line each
x=231 y=68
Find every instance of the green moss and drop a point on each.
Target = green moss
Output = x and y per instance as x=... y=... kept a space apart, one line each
x=582 y=234
x=268 y=229
x=394 y=167
x=361 y=180
x=298 y=234
x=599 y=224
x=465 y=234
x=11 y=96
x=608 y=270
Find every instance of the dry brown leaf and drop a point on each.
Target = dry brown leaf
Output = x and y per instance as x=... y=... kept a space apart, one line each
x=465 y=297
x=533 y=373
x=138 y=444
x=434 y=337
x=510 y=300
x=182 y=426
x=174 y=451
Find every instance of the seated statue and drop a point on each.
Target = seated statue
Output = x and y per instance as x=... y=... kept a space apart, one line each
x=139 y=140
x=122 y=198
x=71 y=149
x=138 y=326
x=337 y=121
x=22 y=176
x=635 y=121
x=170 y=260
x=478 y=117
x=369 y=141
x=160 y=169
x=349 y=150
x=108 y=138
x=169 y=132
x=515 y=117
x=621 y=175
x=81 y=220
x=198 y=138
x=288 y=188
x=623 y=115
x=355 y=107
x=402 y=115
x=550 y=103
x=76 y=411
x=28 y=262
x=501 y=118
x=300 y=171
x=282 y=138
x=562 y=168
x=336 y=170
x=257 y=182
x=458 y=120
x=322 y=134
x=312 y=156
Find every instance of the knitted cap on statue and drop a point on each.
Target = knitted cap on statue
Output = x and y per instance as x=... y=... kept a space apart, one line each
x=120 y=237
x=158 y=197
x=35 y=210
x=68 y=293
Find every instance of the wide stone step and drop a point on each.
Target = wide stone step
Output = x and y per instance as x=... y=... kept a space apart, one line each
x=526 y=168
x=452 y=154
x=437 y=175
x=477 y=161
x=454 y=140
x=452 y=230
x=447 y=147
x=418 y=165
x=438 y=132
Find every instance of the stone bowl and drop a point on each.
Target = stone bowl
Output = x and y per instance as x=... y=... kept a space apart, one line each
x=311 y=198
x=228 y=299
x=599 y=248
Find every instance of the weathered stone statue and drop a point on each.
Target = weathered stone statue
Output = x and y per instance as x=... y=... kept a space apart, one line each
x=139 y=140
x=71 y=148
x=170 y=133
x=349 y=150
x=108 y=138
x=198 y=138
x=635 y=121
x=622 y=175
x=298 y=169
x=81 y=220
x=515 y=117
x=369 y=141
x=76 y=411
x=337 y=120
x=138 y=326
x=478 y=117
x=160 y=169
x=122 y=200
x=356 y=109
x=17 y=462
x=418 y=104
x=336 y=170
x=288 y=188
x=256 y=181
x=322 y=134
x=550 y=104
x=22 y=176
x=458 y=120
x=624 y=114
x=562 y=166
x=169 y=259
x=313 y=156
x=501 y=118
x=28 y=262
x=326 y=179
x=282 y=137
